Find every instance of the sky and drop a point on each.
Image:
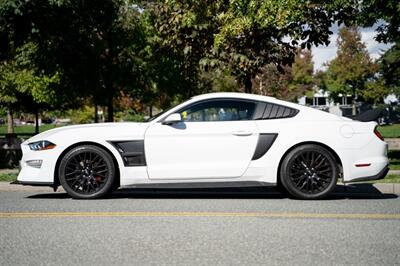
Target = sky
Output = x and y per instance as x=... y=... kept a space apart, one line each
x=322 y=54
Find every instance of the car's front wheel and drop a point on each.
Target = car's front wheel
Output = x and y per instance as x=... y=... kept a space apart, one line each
x=309 y=172
x=87 y=172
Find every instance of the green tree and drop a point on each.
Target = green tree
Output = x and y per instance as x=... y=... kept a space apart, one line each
x=302 y=74
x=22 y=87
x=290 y=82
x=94 y=45
x=370 y=12
x=241 y=37
x=386 y=14
x=390 y=68
x=352 y=68
x=274 y=82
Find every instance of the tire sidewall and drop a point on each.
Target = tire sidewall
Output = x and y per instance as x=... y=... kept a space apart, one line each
x=110 y=177
x=285 y=177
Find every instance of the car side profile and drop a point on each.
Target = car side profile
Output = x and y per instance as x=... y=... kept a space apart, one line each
x=210 y=140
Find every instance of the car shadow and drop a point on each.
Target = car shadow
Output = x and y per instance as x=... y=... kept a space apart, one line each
x=353 y=192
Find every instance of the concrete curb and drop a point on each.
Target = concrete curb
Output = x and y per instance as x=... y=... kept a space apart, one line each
x=394 y=172
x=368 y=188
x=6 y=186
x=379 y=188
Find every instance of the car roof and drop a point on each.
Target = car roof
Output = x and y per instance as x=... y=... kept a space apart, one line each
x=241 y=95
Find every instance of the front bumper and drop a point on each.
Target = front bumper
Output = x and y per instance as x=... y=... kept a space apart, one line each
x=43 y=175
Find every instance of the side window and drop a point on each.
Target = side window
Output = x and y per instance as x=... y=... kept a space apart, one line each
x=219 y=110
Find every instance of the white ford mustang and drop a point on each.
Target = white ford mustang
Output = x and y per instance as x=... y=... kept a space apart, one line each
x=210 y=140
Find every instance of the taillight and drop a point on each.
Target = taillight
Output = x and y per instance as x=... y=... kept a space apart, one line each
x=378 y=134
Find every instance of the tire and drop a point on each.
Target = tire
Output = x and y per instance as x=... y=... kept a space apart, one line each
x=87 y=172
x=309 y=172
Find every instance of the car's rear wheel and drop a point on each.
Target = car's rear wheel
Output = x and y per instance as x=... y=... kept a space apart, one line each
x=87 y=172
x=309 y=172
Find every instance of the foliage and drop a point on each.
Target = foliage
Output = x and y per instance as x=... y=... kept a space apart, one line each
x=256 y=33
x=290 y=82
x=390 y=68
x=26 y=129
x=8 y=177
x=222 y=80
x=375 y=90
x=352 y=68
x=240 y=36
x=302 y=74
x=82 y=115
x=390 y=178
x=273 y=82
x=390 y=131
x=372 y=11
x=130 y=116
x=70 y=53
x=181 y=36
x=92 y=46
x=394 y=159
x=20 y=81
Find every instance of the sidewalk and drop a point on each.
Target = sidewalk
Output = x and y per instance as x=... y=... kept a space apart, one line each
x=394 y=172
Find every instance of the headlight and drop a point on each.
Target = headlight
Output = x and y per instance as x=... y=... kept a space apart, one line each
x=41 y=145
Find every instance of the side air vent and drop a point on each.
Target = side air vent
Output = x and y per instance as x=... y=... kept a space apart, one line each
x=275 y=111
x=132 y=152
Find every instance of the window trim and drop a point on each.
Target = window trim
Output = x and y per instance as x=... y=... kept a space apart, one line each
x=217 y=99
x=259 y=105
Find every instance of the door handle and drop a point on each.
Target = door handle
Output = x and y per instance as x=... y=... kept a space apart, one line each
x=242 y=133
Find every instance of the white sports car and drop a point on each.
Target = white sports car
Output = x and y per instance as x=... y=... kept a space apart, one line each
x=215 y=139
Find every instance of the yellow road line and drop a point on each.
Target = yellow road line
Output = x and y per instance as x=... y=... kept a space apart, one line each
x=362 y=216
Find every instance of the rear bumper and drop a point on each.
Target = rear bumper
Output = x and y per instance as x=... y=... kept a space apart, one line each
x=380 y=175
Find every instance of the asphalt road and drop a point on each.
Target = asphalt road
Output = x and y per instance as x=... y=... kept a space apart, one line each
x=198 y=227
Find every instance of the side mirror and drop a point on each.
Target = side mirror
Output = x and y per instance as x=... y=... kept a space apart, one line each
x=172 y=119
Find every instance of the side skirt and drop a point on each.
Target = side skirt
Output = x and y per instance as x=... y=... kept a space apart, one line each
x=203 y=185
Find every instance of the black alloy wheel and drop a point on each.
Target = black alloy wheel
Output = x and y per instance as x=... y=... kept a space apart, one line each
x=309 y=172
x=87 y=172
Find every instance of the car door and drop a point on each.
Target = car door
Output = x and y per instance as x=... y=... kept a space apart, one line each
x=216 y=139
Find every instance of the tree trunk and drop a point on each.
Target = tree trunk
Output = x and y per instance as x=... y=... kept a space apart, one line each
x=247 y=85
x=110 y=99
x=10 y=121
x=150 y=110
x=110 y=109
x=37 y=120
x=96 y=116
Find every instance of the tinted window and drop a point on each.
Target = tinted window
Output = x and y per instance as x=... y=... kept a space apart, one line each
x=221 y=110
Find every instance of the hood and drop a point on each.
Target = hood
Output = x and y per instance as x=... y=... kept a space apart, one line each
x=98 y=129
